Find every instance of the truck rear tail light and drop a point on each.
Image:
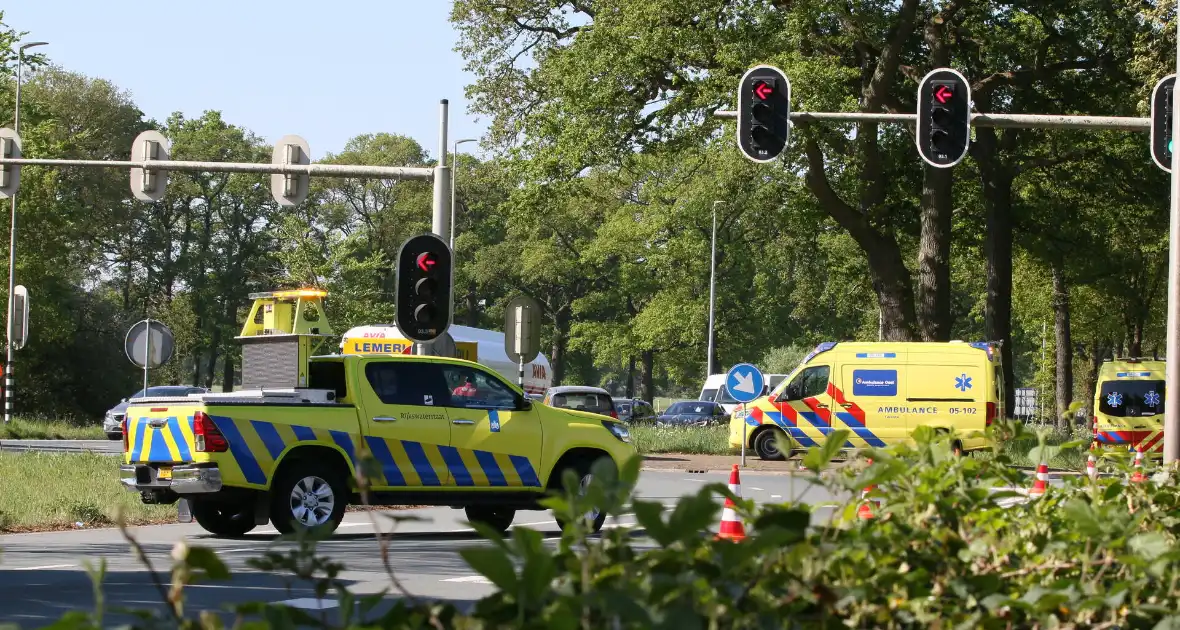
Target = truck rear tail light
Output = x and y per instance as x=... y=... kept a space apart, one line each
x=126 y=439
x=991 y=414
x=208 y=438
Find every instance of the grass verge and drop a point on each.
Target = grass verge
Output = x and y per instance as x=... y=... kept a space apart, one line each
x=687 y=440
x=45 y=491
x=26 y=429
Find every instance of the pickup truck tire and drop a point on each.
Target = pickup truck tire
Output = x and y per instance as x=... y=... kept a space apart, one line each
x=309 y=493
x=581 y=468
x=498 y=519
x=224 y=519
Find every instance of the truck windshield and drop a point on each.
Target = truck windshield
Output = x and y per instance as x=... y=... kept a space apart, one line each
x=708 y=394
x=1131 y=399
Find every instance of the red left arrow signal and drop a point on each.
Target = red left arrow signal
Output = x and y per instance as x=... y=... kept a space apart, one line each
x=763 y=90
x=943 y=94
x=426 y=261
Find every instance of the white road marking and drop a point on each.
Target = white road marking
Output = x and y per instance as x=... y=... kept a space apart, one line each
x=758 y=489
x=271 y=530
x=309 y=603
x=478 y=579
x=696 y=480
x=43 y=567
x=776 y=496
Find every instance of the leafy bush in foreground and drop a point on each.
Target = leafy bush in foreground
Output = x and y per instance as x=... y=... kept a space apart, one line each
x=942 y=551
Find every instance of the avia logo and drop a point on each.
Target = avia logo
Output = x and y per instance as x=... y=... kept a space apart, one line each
x=539 y=372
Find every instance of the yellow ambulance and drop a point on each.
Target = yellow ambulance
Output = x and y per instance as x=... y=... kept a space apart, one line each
x=881 y=392
x=1129 y=405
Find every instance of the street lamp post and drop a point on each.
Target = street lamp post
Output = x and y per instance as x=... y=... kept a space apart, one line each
x=712 y=288
x=20 y=59
x=454 y=174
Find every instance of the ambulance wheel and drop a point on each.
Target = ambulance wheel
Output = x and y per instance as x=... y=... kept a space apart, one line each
x=308 y=495
x=766 y=445
x=581 y=468
x=498 y=519
x=224 y=519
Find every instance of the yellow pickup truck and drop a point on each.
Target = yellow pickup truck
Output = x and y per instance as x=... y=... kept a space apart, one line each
x=441 y=431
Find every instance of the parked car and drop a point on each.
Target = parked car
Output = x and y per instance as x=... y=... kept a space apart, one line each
x=112 y=423
x=581 y=398
x=699 y=413
x=634 y=410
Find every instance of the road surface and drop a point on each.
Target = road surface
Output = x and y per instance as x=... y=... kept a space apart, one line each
x=42 y=575
x=104 y=447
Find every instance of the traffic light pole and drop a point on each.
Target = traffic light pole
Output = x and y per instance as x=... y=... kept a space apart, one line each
x=1172 y=365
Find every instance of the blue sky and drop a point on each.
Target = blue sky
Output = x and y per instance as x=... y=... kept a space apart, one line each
x=326 y=71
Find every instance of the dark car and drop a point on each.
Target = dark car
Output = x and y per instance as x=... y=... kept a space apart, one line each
x=634 y=410
x=112 y=423
x=698 y=413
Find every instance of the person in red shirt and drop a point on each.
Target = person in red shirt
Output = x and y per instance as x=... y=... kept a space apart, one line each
x=467 y=389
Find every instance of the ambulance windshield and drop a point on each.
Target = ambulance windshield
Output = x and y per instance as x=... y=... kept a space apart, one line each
x=1131 y=399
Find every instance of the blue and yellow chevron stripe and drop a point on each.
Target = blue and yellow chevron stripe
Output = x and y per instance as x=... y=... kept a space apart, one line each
x=255 y=446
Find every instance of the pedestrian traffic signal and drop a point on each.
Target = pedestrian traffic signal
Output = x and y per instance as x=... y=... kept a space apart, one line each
x=424 y=295
x=764 y=113
x=944 y=117
x=1161 y=122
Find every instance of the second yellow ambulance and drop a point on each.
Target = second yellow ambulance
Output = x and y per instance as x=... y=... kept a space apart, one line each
x=881 y=392
x=1129 y=406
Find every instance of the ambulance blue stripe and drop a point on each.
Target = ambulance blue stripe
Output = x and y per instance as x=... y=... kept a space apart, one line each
x=524 y=468
x=422 y=466
x=793 y=431
x=860 y=430
x=487 y=461
x=270 y=438
x=240 y=450
x=159 y=452
x=819 y=423
x=876 y=355
x=455 y=464
x=751 y=421
x=181 y=443
x=302 y=433
x=344 y=442
x=137 y=448
x=393 y=474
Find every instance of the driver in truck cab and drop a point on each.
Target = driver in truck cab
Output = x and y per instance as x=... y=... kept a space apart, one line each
x=233 y=461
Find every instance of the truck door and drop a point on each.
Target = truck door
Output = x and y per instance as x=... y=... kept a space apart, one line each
x=494 y=441
x=405 y=425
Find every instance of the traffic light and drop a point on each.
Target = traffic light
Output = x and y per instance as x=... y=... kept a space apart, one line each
x=944 y=117
x=424 y=296
x=149 y=184
x=9 y=173
x=764 y=113
x=1161 y=122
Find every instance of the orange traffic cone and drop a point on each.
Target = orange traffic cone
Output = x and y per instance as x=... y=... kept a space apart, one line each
x=1138 y=476
x=1041 y=484
x=731 y=525
x=865 y=510
x=1091 y=469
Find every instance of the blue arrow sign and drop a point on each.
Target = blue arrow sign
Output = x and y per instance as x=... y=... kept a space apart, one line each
x=744 y=382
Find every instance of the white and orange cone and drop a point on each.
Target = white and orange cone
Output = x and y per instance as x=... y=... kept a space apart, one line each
x=1091 y=468
x=865 y=510
x=1042 y=482
x=1138 y=476
x=731 y=525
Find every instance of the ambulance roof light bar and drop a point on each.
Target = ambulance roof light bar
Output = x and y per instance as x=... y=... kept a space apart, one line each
x=290 y=293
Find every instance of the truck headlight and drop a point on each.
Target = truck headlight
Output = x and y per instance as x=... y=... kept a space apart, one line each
x=619 y=430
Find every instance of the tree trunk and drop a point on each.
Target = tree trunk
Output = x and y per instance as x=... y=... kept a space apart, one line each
x=1135 y=348
x=631 y=376
x=228 y=373
x=472 y=306
x=997 y=193
x=648 y=376
x=561 y=328
x=934 y=255
x=1064 y=346
x=891 y=283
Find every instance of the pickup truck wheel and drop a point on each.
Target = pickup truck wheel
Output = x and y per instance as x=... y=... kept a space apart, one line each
x=498 y=519
x=582 y=468
x=224 y=519
x=308 y=495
